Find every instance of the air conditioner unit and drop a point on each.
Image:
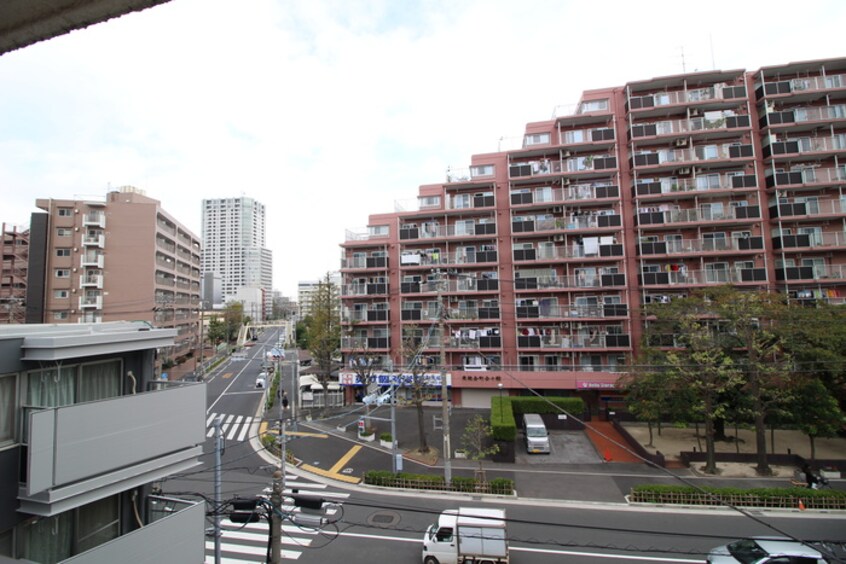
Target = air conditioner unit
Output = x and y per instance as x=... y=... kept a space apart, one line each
x=681 y=142
x=558 y=238
x=557 y=209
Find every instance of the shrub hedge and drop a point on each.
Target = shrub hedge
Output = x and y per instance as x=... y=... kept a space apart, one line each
x=747 y=497
x=388 y=479
x=506 y=410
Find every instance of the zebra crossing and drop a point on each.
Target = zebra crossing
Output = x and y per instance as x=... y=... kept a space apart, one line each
x=234 y=427
x=241 y=542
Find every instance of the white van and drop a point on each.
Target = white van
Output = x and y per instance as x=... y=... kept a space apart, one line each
x=537 y=439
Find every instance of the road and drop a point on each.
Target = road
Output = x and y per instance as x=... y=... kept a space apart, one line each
x=369 y=526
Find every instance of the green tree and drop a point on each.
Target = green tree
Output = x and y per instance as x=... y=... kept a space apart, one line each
x=476 y=442
x=301 y=333
x=216 y=331
x=646 y=397
x=324 y=330
x=816 y=412
x=416 y=379
x=364 y=364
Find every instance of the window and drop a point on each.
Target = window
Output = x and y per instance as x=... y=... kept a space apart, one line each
x=59 y=315
x=593 y=106
x=481 y=170
x=65 y=212
x=63 y=232
x=63 y=252
x=63 y=273
x=7 y=408
x=378 y=230
x=536 y=139
x=60 y=294
x=430 y=202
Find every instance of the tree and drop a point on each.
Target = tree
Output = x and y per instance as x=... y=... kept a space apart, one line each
x=217 y=331
x=233 y=319
x=363 y=364
x=476 y=442
x=646 y=397
x=415 y=377
x=324 y=329
x=301 y=333
x=816 y=412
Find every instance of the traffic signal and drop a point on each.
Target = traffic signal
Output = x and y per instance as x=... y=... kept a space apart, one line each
x=244 y=511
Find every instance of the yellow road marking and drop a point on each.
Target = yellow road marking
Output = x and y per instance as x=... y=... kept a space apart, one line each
x=344 y=459
x=228 y=374
x=264 y=430
x=330 y=474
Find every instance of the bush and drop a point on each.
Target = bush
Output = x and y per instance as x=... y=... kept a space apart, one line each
x=386 y=437
x=506 y=410
x=749 y=497
x=503 y=486
x=385 y=478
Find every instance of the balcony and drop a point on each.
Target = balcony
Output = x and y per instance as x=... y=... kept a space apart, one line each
x=700 y=246
x=811 y=116
x=465 y=256
x=669 y=159
x=807 y=208
x=92 y=260
x=806 y=147
x=91 y=302
x=586 y=278
x=687 y=277
x=808 y=176
x=570 y=193
x=698 y=95
x=91 y=281
x=593 y=220
x=595 y=340
x=697 y=127
x=460 y=230
x=459 y=285
x=831 y=240
x=364 y=262
x=594 y=137
x=94 y=219
x=538 y=309
x=83 y=452
x=801 y=85
x=650 y=217
x=673 y=187
x=94 y=241
x=367 y=315
x=812 y=273
x=365 y=343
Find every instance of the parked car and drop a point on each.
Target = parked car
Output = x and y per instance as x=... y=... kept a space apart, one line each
x=261 y=380
x=760 y=550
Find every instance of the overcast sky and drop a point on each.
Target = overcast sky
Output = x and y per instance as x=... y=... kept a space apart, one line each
x=328 y=111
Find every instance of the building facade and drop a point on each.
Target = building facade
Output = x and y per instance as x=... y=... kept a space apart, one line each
x=86 y=430
x=14 y=250
x=234 y=246
x=530 y=268
x=120 y=258
x=306 y=290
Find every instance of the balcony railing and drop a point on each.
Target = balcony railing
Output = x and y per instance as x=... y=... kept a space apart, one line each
x=423 y=258
x=96 y=260
x=806 y=145
x=680 y=157
x=364 y=262
x=799 y=85
x=688 y=126
x=697 y=246
x=97 y=219
x=453 y=285
x=594 y=220
x=365 y=343
x=91 y=302
x=126 y=446
x=540 y=310
x=445 y=231
x=594 y=340
x=583 y=279
x=687 y=96
x=685 y=276
x=817 y=273
x=94 y=241
x=822 y=114
x=706 y=182
x=571 y=193
x=806 y=176
x=91 y=280
x=647 y=216
x=792 y=207
x=809 y=240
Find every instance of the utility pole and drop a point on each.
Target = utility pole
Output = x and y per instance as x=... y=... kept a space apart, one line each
x=394 y=427
x=444 y=391
x=218 y=446
x=276 y=503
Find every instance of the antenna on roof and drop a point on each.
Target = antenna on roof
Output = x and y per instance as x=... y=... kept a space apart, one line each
x=684 y=69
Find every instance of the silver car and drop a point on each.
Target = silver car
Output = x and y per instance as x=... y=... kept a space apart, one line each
x=760 y=550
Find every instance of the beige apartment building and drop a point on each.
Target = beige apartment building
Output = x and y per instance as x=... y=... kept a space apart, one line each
x=120 y=258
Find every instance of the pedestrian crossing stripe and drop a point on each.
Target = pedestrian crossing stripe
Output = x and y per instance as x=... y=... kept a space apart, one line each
x=234 y=427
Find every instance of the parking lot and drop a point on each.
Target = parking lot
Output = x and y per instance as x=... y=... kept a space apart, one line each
x=567 y=447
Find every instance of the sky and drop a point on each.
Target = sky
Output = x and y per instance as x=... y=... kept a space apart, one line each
x=327 y=111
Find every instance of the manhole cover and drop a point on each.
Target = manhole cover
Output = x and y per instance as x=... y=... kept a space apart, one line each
x=384 y=519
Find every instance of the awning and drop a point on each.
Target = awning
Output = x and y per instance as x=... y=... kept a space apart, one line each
x=311 y=382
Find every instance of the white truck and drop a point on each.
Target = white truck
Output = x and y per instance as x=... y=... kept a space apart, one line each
x=465 y=535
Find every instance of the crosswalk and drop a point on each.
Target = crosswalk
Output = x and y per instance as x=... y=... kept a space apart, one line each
x=241 y=543
x=234 y=427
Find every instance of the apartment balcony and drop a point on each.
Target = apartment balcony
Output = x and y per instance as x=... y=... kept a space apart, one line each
x=697 y=127
x=364 y=262
x=80 y=453
x=474 y=339
x=813 y=209
x=810 y=241
x=701 y=246
x=798 y=86
x=645 y=103
x=599 y=249
x=681 y=160
x=605 y=219
x=460 y=257
x=805 y=148
x=547 y=167
x=595 y=340
x=592 y=138
x=585 y=279
x=98 y=241
x=94 y=219
x=804 y=119
x=364 y=289
x=466 y=201
x=813 y=274
x=687 y=277
x=92 y=260
x=169 y=246
x=656 y=217
x=91 y=302
x=808 y=176
x=462 y=230
x=365 y=343
x=674 y=187
x=452 y=285
x=169 y=281
x=368 y=315
x=537 y=309
x=570 y=193
x=410 y=312
x=166 y=226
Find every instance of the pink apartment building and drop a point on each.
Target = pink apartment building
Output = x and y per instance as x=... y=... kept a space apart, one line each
x=530 y=268
x=122 y=258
